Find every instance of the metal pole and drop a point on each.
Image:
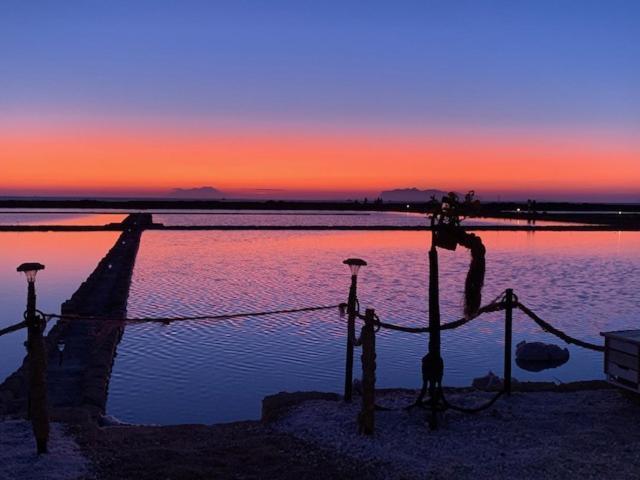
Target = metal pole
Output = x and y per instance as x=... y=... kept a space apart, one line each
x=351 y=335
x=37 y=363
x=366 y=419
x=508 y=335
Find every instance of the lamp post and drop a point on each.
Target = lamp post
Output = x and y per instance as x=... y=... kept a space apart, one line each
x=352 y=310
x=37 y=360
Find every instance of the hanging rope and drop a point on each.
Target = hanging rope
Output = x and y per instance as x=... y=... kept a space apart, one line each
x=167 y=320
x=495 y=306
x=477 y=409
x=558 y=333
x=13 y=328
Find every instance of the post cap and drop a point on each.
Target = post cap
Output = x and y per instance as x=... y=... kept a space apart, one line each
x=355 y=261
x=354 y=265
x=30 y=267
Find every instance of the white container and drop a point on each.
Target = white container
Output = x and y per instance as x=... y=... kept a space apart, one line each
x=622 y=358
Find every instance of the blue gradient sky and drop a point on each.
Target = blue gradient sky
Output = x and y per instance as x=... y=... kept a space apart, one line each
x=494 y=66
x=477 y=62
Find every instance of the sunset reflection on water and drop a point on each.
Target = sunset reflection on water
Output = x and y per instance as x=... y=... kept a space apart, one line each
x=219 y=370
x=69 y=258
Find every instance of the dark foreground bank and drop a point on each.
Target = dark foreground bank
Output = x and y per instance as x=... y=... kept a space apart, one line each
x=245 y=450
x=543 y=431
x=584 y=430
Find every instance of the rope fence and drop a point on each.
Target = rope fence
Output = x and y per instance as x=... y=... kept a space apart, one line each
x=372 y=323
x=558 y=333
x=167 y=320
x=496 y=305
x=506 y=301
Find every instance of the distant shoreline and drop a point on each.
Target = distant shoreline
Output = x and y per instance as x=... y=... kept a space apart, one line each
x=602 y=216
x=166 y=212
x=115 y=227
x=155 y=204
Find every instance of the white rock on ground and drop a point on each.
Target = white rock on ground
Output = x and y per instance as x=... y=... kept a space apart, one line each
x=19 y=460
x=544 y=435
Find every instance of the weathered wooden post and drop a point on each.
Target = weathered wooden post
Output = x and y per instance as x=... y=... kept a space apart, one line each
x=432 y=363
x=352 y=312
x=37 y=361
x=366 y=419
x=508 y=335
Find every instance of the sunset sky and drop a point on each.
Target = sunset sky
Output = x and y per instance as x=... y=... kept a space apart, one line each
x=321 y=99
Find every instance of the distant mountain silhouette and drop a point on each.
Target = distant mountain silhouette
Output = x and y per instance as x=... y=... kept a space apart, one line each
x=197 y=193
x=411 y=195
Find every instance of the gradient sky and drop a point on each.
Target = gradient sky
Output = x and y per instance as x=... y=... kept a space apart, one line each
x=536 y=98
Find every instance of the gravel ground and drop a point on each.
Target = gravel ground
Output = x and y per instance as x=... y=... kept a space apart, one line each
x=242 y=450
x=18 y=458
x=534 y=435
x=558 y=434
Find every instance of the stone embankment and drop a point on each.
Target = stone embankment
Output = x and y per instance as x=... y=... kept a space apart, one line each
x=90 y=329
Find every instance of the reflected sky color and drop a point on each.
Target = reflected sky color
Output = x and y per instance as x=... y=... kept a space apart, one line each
x=69 y=258
x=321 y=98
x=212 y=371
x=309 y=217
x=43 y=218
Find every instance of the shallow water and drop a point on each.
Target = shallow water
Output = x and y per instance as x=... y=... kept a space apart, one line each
x=69 y=257
x=238 y=218
x=315 y=217
x=47 y=218
x=212 y=371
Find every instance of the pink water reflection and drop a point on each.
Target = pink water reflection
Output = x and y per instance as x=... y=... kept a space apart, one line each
x=569 y=278
x=46 y=218
x=69 y=258
x=315 y=217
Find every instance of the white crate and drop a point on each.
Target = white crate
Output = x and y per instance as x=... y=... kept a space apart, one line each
x=622 y=358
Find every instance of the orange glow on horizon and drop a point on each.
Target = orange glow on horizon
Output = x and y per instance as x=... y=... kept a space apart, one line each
x=160 y=160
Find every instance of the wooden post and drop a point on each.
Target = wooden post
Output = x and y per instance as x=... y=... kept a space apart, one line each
x=508 y=334
x=37 y=362
x=366 y=419
x=351 y=335
x=432 y=363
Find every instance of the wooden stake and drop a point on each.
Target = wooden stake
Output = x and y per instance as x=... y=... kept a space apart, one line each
x=351 y=333
x=38 y=410
x=366 y=419
x=508 y=335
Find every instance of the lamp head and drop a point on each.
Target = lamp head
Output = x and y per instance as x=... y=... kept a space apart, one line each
x=354 y=265
x=30 y=270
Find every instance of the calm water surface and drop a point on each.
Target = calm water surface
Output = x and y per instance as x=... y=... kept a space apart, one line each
x=316 y=217
x=46 y=218
x=237 y=217
x=213 y=371
x=69 y=258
